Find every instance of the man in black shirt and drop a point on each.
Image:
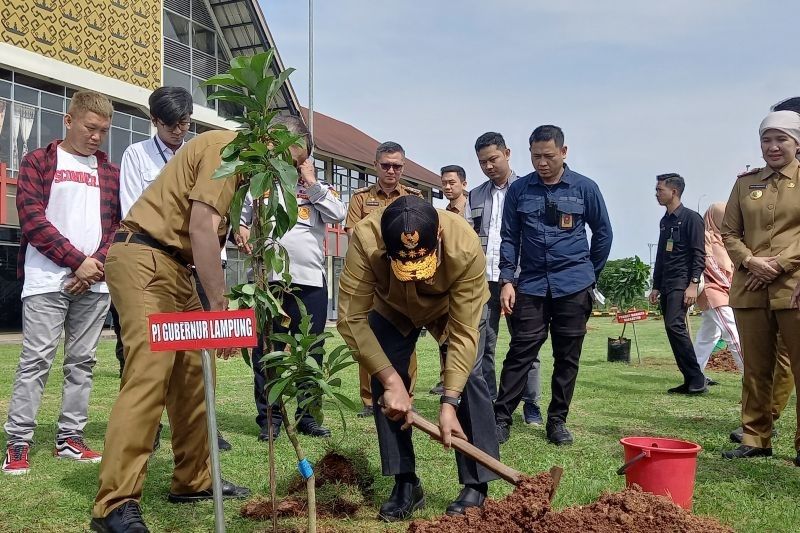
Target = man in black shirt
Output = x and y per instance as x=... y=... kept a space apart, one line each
x=679 y=264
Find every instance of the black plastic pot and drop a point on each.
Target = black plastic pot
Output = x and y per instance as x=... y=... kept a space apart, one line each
x=619 y=350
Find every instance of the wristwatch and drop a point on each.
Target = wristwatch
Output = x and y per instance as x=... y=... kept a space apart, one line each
x=695 y=279
x=504 y=281
x=449 y=399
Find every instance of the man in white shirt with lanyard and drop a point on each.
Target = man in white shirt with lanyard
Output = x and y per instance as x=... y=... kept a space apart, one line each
x=171 y=113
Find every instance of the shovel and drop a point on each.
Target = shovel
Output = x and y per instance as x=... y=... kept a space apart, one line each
x=505 y=472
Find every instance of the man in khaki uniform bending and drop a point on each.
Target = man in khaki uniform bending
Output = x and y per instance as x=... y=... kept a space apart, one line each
x=181 y=219
x=389 y=163
x=761 y=230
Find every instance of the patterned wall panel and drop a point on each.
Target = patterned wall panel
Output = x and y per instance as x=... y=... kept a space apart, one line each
x=118 y=38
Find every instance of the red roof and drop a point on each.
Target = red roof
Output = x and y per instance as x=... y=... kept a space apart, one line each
x=338 y=138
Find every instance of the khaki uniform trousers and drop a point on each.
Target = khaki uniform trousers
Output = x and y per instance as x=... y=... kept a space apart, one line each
x=771 y=353
x=365 y=381
x=143 y=281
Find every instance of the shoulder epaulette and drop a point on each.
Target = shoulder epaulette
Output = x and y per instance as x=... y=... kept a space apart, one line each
x=750 y=172
x=362 y=189
x=412 y=190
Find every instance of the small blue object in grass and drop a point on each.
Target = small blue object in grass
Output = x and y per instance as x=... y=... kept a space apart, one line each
x=721 y=345
x=305 y=469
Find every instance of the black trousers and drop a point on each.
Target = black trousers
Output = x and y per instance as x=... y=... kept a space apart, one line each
x=474 y=413
x=118 y=351
x=674 y=313
x=316 y=301
x=565 y=318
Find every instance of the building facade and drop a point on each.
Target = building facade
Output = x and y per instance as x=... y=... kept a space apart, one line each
x=125 y=49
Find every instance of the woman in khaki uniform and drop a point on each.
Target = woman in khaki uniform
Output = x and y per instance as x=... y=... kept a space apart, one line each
x=761 y=231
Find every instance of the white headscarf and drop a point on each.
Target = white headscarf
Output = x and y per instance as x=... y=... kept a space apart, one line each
x=786 y=121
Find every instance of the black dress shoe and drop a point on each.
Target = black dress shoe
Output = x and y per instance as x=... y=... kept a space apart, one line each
x=737 y=434
x=229 y=490
x=222 y=444
x=711 y=383
x=366 y=412
x=468 y=497
x=558 y=434
x=503 y=432
x=127 y=518
x=680 y=389
x=406 y=498
x=263 y=435
x=747 y=452
x=309 y=426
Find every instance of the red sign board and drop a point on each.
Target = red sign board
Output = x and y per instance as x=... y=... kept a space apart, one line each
x=631 y=316
x=202 y=329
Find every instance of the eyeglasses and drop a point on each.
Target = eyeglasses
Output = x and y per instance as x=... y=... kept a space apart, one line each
x=183 y=125
x=389 y=166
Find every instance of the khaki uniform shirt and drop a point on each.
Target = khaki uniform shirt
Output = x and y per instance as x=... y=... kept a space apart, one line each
x=368 y=199
x=762 y=219
x=449 y=305
x=163 y=209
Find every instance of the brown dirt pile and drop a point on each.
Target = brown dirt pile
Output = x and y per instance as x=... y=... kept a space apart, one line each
x=527 y=509
x=341 y=485
x=722 y=361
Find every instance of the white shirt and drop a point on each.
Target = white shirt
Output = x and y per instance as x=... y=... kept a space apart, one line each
x=74 y=210
x=495 y=223
x=141 y=163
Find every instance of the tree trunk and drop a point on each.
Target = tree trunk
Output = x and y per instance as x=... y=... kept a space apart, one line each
x=310 y=482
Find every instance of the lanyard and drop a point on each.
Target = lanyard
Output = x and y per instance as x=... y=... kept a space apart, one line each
x=160 y=151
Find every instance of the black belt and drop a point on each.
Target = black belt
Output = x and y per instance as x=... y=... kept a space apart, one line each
x=147 y=240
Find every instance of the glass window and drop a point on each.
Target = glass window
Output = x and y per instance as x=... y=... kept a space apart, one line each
x=176 y=27
x=118 y=140
x=24 y=94
x=203 y=39
x=177 y=79
x=138 y=137
x=52 y=126
x=199 y=92
x=141 y=125
x=12 y=216
x=5 y=89
x=51 y=101
x=121 y=120
x=5 y=135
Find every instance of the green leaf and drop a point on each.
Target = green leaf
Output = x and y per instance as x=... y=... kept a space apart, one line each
x=237 y=98
x=347 y=402
x=246 y=357
x=280 y=80
x=230 y=151
x=242 y=61
x=263 y=90
x=249 y=288
x=227 y=168
x=284 y=338
x=236 y=207
x=221 y=79
x=258 y=184
x=246 y=77
x=276 y=389
x=259 y=63
x=287 y=173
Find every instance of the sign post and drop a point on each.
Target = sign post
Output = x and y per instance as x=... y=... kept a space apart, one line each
x=205 y=330
x=632 y=317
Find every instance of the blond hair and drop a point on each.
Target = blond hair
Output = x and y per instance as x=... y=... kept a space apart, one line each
x=84 y=101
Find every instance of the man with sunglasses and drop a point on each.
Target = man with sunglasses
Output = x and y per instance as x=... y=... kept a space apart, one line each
x=389 y=163
x=171 y=114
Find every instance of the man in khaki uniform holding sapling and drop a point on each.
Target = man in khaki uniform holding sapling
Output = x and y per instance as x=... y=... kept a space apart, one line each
x=761 y=230
x=389 y=163
x=180 y=219
x=407 y=267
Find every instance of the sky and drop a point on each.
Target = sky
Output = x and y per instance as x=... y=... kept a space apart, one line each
x=639 y=88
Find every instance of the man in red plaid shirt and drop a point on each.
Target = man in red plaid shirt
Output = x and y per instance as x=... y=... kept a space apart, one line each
x=68 y=203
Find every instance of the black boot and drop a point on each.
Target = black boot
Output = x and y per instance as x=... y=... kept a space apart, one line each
x=309 y=426
x=747 y=452
x=470 y=496
x=127 y=518
x=222 y=444
x=264 y=433
x=406 y=497
x=229 y=490
x=558 y=434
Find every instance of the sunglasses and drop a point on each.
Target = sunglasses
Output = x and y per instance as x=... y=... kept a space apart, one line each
x=389 y=166
x=182 y=125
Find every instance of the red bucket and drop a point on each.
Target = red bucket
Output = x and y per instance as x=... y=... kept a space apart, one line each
x=661 y=466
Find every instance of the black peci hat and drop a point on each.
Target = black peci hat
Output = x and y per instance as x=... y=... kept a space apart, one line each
x=790 y=104
x=410 y=229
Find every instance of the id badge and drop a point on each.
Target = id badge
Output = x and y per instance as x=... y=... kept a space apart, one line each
x=670 y=244
x=566 y=221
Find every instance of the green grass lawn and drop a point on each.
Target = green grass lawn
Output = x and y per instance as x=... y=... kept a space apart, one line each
x=611 y=401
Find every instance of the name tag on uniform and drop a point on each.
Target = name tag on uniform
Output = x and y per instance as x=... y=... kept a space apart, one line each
x=566 y=221
x=670 y=245
x=372 y=203
x=757 y=186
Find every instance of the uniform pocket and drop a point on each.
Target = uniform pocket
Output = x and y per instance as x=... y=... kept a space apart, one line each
x=531 y=205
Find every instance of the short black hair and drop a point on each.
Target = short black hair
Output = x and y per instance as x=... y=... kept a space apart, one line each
x=389 y=147
x=457 y=169
x=170 y=104
x=297 y=126
x=546 y=133
x=490 y=138
x=790 y=104
x=673 y=181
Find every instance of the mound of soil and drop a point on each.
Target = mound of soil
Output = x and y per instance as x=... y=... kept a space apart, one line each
x=527 y=509
x=341 y=482
x=722 y=361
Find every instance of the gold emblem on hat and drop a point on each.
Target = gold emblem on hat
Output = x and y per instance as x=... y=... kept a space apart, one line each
x=304 y=213
x=410 y=240
x=791 y=185
x=755 y=195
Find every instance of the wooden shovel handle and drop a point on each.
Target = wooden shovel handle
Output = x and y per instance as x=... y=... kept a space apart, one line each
x=505 y=472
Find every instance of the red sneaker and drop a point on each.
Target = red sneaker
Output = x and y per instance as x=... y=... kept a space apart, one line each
x=16 y=461
x=76 y=449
